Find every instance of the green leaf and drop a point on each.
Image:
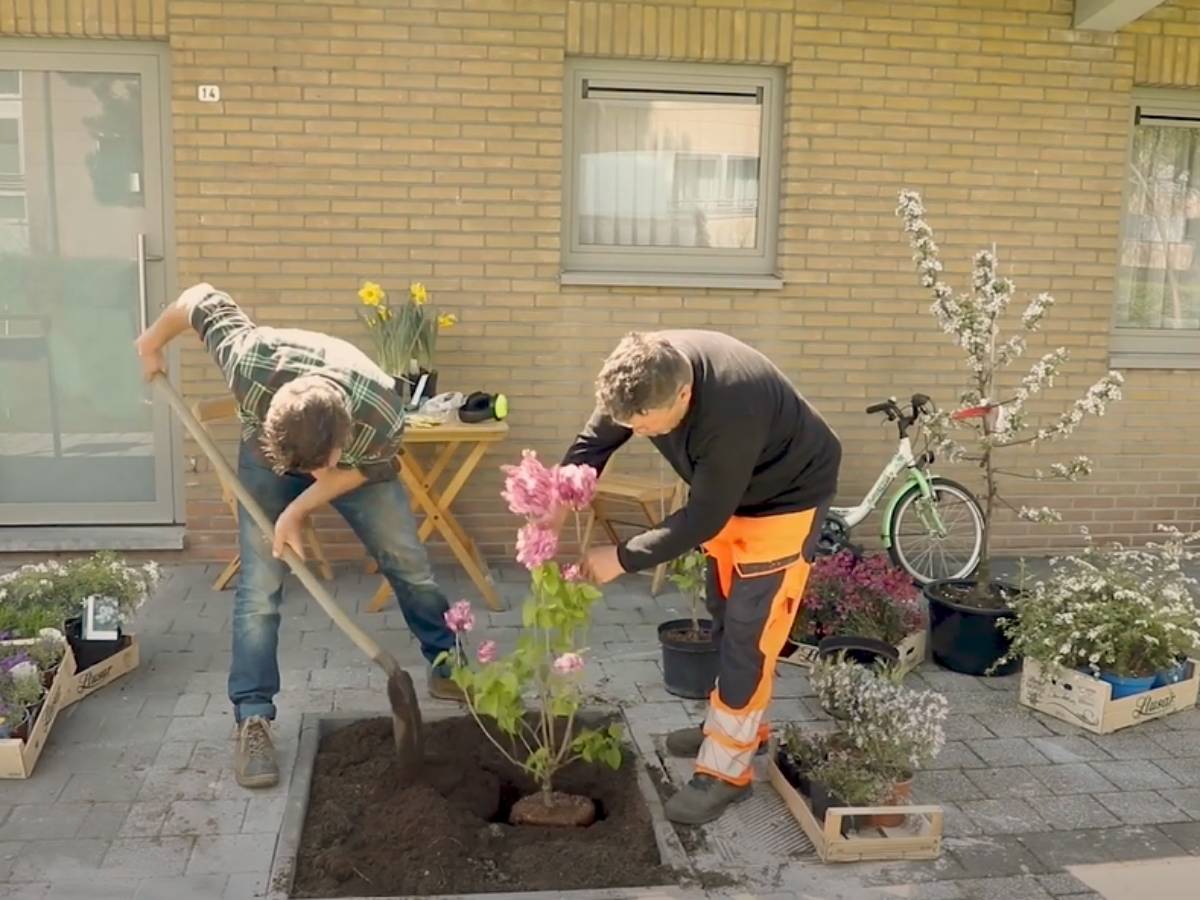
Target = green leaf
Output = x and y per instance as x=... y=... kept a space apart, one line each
x=612 y=756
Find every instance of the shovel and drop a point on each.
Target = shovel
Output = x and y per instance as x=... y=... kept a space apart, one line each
x=406 y=714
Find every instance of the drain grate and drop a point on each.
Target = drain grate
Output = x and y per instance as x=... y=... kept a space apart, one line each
x=759 y=831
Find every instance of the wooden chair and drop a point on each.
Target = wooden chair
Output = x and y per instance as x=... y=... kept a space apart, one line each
x=224 y=409
x=623 y=495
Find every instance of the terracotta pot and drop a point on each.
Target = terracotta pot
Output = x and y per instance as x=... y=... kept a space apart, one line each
x=901 y=795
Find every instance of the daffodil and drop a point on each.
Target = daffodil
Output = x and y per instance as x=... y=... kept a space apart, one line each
x=384 y=314
x=371 y=294
x=418 y=293
x=447 y=320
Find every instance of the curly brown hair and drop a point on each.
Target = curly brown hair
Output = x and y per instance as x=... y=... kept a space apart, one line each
x=307 y=420
x=644 y=372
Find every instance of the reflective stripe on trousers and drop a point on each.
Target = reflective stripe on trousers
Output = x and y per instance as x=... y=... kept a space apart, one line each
x=757 y=570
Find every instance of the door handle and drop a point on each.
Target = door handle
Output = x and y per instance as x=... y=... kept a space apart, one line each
x=143 y=298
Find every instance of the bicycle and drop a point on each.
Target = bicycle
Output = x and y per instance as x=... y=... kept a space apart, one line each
x=926 y=507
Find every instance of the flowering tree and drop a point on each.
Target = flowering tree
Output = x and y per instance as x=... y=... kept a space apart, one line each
x=549 y=658
x=993 y=412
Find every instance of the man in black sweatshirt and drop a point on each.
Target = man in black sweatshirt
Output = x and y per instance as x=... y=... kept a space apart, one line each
x=762 y=466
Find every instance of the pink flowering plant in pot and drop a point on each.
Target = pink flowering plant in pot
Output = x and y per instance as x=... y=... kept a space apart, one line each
x=550 y=657
x=861 y=597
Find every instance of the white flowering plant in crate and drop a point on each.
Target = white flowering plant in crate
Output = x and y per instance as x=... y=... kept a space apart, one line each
x=1126 y=611
x=992 y=414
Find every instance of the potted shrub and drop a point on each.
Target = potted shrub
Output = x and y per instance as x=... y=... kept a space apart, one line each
x=689 y=654
x=549 y=658
x=47 y=654
x=799 y=752
x=405 y=336
x=21 y=692
x=847 y=777
x=42 y=598
x=1124 y=615
x=992 y=415
x=102 y=580
x=862 y=606
x=895 y=730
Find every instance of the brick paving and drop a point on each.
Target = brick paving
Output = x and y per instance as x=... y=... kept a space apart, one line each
x=134 y=796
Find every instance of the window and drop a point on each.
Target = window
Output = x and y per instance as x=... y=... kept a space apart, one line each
x=1157 y=317
x=671 y=174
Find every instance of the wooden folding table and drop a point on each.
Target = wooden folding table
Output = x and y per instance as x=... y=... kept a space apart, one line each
x=434 y=501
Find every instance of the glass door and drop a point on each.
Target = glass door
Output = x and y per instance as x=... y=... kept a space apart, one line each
x=82 y=440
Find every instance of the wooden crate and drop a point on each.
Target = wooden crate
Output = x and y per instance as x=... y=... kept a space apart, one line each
x=912 y=653
x=919 y=838
x=17 y=757
x=1085 y=701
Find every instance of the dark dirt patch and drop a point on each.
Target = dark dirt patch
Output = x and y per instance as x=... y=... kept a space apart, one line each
x=365 y=834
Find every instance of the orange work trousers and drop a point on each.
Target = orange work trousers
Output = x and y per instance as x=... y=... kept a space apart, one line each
x=757 y=570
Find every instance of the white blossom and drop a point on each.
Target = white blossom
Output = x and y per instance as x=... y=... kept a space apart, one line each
x=1043 y=515
x=1035 y=311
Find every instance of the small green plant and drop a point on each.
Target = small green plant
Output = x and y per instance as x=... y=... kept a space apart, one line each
x=689 y=573
x=806 y=749
x=47 y=652
x=851 y=777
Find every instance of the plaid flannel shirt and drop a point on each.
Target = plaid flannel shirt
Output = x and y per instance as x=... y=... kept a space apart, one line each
x=257 y=361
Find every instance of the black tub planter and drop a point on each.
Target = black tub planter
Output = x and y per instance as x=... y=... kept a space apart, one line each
x=964 y=638
x=863 y=650
x=690 y=661
x=89 y=653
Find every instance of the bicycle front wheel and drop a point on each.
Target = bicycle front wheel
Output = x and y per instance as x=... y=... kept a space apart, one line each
x=937 y=538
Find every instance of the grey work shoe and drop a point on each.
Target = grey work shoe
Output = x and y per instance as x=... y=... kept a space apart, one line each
x=685 y=743
x=703 y=799
x=254 y=762
x=442 y=688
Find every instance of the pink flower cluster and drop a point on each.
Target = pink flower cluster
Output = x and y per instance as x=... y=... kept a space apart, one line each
x=541 y=496
x=568 y=664
x=459 y=617
x=487 y=652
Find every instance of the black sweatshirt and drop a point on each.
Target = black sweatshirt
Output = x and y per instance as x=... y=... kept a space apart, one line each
x=750 y=445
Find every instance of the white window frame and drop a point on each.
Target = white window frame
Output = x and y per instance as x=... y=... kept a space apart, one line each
x=666 y=266
x=1153 y=348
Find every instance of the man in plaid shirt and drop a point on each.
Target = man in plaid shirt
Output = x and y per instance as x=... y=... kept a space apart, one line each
x=321 y=424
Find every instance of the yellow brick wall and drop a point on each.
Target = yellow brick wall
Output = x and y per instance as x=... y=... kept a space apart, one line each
x=422 y=139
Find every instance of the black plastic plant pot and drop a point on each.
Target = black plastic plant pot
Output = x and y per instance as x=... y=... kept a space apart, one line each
x=863 y=650
x=967 y=639
x=822 y=800
x=690 y=661
x=89 y=653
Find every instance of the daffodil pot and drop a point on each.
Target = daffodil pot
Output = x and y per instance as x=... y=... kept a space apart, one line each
x=690 y=658
x=964 y=635
x=87 y=652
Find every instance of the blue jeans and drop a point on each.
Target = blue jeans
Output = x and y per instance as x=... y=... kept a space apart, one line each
x=380 y=515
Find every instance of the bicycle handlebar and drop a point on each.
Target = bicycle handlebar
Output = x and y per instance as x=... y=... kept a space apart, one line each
x=920 y=404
